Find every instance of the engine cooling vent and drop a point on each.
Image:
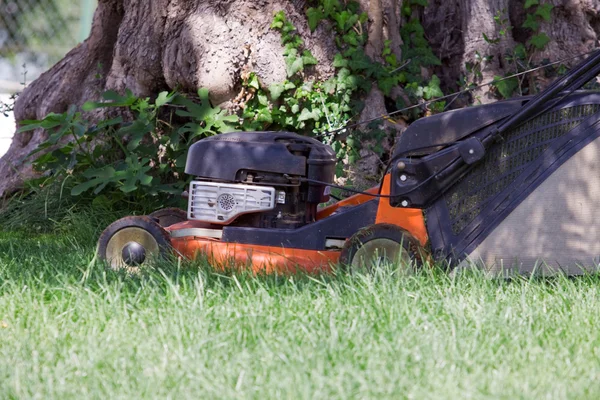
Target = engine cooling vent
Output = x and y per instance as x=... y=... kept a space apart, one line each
x=507 y=160
x=220 y=203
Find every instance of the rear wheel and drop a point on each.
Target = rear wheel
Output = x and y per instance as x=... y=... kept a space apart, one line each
x=133 y=242
x=169 y=216
x=381 y=244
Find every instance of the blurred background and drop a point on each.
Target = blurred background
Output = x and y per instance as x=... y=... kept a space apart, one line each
x=34 y=35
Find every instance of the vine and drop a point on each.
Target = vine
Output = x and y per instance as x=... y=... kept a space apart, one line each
x=117 y=161
x=520 y=56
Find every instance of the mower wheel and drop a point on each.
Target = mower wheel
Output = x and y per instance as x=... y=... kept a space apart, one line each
x=132 y=242
x=379 y=244
x=169 y=216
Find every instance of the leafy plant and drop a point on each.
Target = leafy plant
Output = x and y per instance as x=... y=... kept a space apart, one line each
x=139 y=159
x=537 y=13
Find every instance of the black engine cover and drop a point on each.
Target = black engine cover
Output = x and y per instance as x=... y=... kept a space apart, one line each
x=224 y=157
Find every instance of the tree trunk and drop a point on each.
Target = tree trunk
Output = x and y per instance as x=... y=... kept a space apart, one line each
x=150 y=46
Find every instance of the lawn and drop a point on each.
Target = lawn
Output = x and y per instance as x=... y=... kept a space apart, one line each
x=68 y=329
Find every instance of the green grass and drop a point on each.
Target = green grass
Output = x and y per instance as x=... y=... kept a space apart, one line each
x=68 y=329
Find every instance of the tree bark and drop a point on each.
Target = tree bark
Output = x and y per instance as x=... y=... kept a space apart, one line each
x=150 y=46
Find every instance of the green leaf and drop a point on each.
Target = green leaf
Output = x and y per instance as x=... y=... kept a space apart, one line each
x=331 y=6
x=539 y=41
x=264 y=115
x=276 y=90
x=315 y=15
x=253 y=81
x=490 y=40
x=294 y=65
x=339 y=61
x=163 y=98
x=203 y=94
x=307 y=114
x=545 y=11
x=531 y=3
x=278 y=20
x=386 y=84
x=433 y=89
x=521 y=51
x=98 y=178
x=506 y=87
x=308 y=58
x=531 y=23
x=262 y=99
x=137 y=130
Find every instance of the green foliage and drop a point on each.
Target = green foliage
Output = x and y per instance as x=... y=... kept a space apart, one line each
x=141 y=159
x=539 y=41
x=417 y=52
x=519 y=57
x=537 y=13
x=506 y=87
x=144 y=157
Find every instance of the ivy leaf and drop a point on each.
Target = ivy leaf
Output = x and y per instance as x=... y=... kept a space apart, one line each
x=531 y=23
x=308 y=58
x=345 y=20
x=315 y=15
x=331 y=6
x=339 y=61
x=276 y=90
x=307 y=114
x=386 y=84
x=422 y=3
x=531 y=3
x=506 y=87
x=264 y=115
x=294 y=65
x=253 y=81
x=329 y=86
x=545 y=11
x=278 y=20
x=539 y=41
x=262 y=99
x=521 y=51
x=433 y=89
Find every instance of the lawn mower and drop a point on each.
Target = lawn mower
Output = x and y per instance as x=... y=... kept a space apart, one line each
x=508 y=186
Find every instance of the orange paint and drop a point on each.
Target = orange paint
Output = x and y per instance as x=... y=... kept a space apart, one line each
x=410 y=219
x=355 y=200
x=270 y=259
x=263 y=259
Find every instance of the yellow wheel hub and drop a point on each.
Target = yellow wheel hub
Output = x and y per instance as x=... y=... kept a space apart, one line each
x=379 y=251
x=126 y=237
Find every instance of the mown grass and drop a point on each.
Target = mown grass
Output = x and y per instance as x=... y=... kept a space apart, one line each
x=68 y=329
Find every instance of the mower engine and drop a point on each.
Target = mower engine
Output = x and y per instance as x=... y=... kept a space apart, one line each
x=259 y=179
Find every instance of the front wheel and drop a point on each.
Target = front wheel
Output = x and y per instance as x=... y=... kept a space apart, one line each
x=382 y=244
x=133 y=242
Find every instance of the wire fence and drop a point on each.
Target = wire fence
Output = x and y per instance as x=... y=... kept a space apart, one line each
x=35 y=34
